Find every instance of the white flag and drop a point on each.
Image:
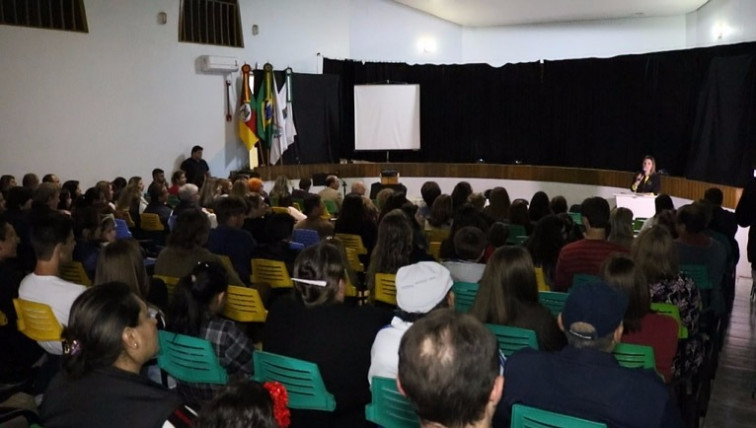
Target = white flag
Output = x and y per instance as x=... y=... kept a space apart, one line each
x=284 y=130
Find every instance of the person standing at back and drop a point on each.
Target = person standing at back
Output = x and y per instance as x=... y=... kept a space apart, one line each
x=195 y=168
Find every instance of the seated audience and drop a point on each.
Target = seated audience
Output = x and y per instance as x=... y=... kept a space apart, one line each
x=662 y=203
x=158 y=177
x=460 y=194
x=642 y=326
x=256 y=219
x=279 y=228
x=539 y=206
x=116 y=188
x=354 y=219
x=314 y=325
x=313 y=208
x=464 y=216
x=449 y=369
x=280 y=189
x=469 y=246
x=331 y=191
x=303 y=190
x=92 y=232
x=621 y=227
x=195 y=311
x=229 y=238
x=440 y=213
x=586 y=255
x=393 y=247
x=518 y=215
x=420 y=288
x=545 y=243
x=382 y=196
x=109 y=337
x=7 y=182
x=178 y=179
x=584 y=379
x=496 y=237
x=45 y=197
x=508 y=295
x=498 y=205
x=159 y=203
x=286 y=202
x=429 y=191
x=558 y=204
x=209 y=192
x=246 y=404
x=30 y=181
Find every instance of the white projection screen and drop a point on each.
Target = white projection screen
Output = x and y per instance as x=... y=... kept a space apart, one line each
x=387 y=117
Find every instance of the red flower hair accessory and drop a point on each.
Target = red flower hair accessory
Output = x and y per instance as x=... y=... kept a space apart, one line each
x=280 y=402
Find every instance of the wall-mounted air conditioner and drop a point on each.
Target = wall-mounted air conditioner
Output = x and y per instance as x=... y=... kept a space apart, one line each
x=218 y=64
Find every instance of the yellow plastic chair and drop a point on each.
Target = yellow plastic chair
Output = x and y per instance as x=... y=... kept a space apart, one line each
x=541 y=279
x=349 y=289
x=385 y=288
x=151 y=222
x=170 y=282
x=226 y=262
x=354 y=260
x=73 y=271
x=280 y=210
x=436 y=235
x=271 y=272
x=244 y=305
x=125 y=216
x=434 y=249
x=353 y=241
x=37 y=321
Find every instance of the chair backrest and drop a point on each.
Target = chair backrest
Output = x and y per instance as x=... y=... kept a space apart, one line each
x=584 y=278
x=226 y=262
x=385 y=288
x=516 y=231
x=530 y=417
x=541 y=279
x=437 y=235
x=37 y=321
x=464 y=295
x=125 y=216
x=73 y=271
x=189 y=359
x=354 y=260
x=331 y=207
x=244 y=305
x=553 y=300
x=170 y=282
x=271 y=272
x=150 y=222
x=577 y=218
x=434 y=249
x=671 y=310
x=634 y=356
x=307 y=237
x=352 y=241
x=280 y=210
x=349 y=288
x=389 y=408
x=302 y=380
x=700 y=275
x=122 y=229
x=512 y=339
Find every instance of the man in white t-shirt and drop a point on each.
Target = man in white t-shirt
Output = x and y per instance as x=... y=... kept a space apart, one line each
x=420 y=288
x=53 y=241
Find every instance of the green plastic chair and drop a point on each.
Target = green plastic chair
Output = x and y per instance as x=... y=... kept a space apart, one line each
x=530 y=417
x=553 y=300
x=673 y=311
x=302 y=380
x=516 y=231
x=331 y=207
x=389 y=408
x=700 y=275
x=577 y=218
x=638 y=223
x=464 y=295
x=512 y=339
x=634 y=356
x=189 y=359
x=584 y=278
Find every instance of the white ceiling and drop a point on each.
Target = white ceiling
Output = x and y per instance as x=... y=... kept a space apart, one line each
x=486 y=13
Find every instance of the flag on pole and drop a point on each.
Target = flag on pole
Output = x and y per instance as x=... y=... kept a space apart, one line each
x=285 y=131
x=247 y=112
x=266 y=101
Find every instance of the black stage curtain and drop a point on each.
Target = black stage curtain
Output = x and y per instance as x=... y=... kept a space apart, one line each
x=691 y=109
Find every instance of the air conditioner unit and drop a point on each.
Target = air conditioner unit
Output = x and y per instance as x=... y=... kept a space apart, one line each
x=215 y=64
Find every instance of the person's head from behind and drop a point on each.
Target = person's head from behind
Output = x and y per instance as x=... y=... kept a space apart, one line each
x=189 y=193
x=382 y=197
x=6 y=182
x=122 y=261
x=469 y=243
x=663 y=202
x=460 y=193
x=108 y=326
x=305 y=184
x=621 y=272
x=595 y=212
x=592 y=316
x=655 y=253
x=198 y=297
x=691 y=219
x=8 y=240
x=714 y=196
x=518 y=212
x=539 y=206
x=558 y=204
x=52 y=237
x=332 y=181
x=499 y=201
x=46 y=195
x=312 y=206
x=30 y=181
x=279 y=227
x=441 y=211
x=190 y=230
x=320 y=274
x=394 y=241
x=621 y=224
x=508 y=281
x=243 y=404
x=230 y=211
x=423 y=287
x=497 y=234
x=353 y=208
x=449 y=369
x=358 y=188
x=429 y=192
x=19 y=198
x=158 y=193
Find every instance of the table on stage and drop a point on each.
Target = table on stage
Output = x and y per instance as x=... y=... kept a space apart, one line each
x=641 y=204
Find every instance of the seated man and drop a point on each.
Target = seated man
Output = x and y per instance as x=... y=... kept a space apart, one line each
x=313 y=209
x=229 y=238
x=584 y=379
x=158 y=177
x=303 y=190
x=279 y=227
x=469 y=247
x=159 y=203
x=449 y=369
x=420 y=288
x=331 y=191
x=53 y=242
x=587 y=254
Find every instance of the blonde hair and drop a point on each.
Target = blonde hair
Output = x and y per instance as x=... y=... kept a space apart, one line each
x=122 y=261
x=655 y=253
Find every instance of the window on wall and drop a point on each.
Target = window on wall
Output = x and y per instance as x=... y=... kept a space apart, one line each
x=68 y=15
x=212 y=22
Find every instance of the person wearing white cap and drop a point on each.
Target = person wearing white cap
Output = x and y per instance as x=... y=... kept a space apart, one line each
x=420 y=288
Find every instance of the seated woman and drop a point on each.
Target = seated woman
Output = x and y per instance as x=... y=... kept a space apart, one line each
x=355 y=219
x=642 y=326
x=314 y=325
x=92 y=231
x=194 y=311
x=109 y=336
x=544 y=245
x=508 y=295
x=621 y=227
x=246 y=404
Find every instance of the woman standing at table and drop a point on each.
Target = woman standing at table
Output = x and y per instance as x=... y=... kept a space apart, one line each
x=647 y=180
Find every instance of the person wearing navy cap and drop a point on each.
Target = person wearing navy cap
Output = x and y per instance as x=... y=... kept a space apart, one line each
x=584 y=379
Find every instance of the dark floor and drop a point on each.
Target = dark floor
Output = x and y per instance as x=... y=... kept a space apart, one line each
x=731 y=404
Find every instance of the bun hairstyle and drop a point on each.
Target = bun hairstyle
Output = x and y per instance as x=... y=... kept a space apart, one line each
x=93 y=337
x=322 y=262
x=193 y=297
